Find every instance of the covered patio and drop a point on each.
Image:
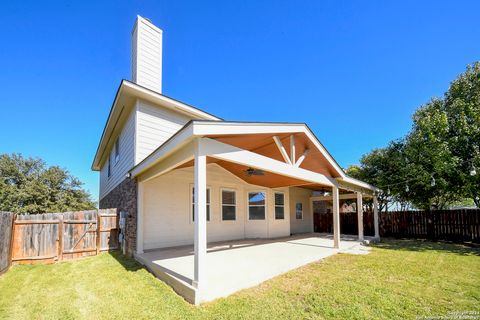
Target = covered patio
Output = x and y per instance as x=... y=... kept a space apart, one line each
x=201 y=274
x=237 y=265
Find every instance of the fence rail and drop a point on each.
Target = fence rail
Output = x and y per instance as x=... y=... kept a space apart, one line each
x=50 y=237
x=452 y=225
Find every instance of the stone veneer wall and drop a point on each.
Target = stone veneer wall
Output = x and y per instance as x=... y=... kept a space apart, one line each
x=124 y=197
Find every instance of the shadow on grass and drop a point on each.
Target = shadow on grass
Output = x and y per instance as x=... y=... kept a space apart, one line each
x=130 y=264
x=463 y=249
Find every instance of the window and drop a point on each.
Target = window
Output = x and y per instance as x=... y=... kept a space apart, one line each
x=109 y=168
x=299 y=211
x=279 y=206
x=117 y=151
x=229 y=206
x=256 y=205
x=193 y=204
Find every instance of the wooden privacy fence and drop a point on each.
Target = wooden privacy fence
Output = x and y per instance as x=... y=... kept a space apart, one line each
x=6 y=222
x=323 y=222
x=51 y=237
x=451 y=225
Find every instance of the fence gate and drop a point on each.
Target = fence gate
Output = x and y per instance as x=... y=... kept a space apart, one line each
x=52 y=237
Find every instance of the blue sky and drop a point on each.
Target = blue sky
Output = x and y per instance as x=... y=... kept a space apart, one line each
x=354 y=71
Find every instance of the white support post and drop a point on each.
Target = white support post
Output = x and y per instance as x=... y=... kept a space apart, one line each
x=360 y=216
x=292 y=149
x=139 y=217
x=336 y=218
x=375 y=218
x=280 y=147
x=200 y=234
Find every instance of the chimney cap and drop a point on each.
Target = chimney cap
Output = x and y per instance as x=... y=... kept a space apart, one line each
x=148 y=22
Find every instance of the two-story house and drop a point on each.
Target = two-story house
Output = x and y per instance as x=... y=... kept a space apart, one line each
x=186 y=177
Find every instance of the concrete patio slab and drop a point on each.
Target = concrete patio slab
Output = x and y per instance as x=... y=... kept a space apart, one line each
x=236 y=265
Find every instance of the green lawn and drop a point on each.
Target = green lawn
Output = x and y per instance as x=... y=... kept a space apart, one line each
x=397 y=280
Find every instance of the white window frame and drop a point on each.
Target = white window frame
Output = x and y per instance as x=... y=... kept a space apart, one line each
x=264 y=205
x=192 y=204
x=296 y=217
x=221 y=204
x=275 y=205
x=116 y=150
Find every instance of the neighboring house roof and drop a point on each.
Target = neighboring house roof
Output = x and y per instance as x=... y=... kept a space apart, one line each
x=124 y=100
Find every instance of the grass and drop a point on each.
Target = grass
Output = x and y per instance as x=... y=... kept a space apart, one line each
x=398 y=280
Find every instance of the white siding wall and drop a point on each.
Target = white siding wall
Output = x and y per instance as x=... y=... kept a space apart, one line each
x=126 y=161
x=154 y=126
x=167 y=205
x=306 y=224
x=147 y=55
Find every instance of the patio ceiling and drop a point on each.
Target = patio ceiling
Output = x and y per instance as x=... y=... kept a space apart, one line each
x=264 y=144
x=269 y=179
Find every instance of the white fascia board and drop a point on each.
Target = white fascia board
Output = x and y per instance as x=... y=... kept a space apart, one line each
x=147 y=94
x=182 y=137
x=236 y=155
x=182 y=155
x=203 y=128
x=107 y=130
x=324 y=152
x=341 y=197
x=349 y=183
x=358 y=183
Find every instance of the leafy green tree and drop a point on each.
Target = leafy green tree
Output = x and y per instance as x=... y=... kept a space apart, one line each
x=27 y=185
x=462 y=107
x=435 y=165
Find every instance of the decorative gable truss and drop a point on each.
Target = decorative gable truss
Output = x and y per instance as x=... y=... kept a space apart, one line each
x=290 y=159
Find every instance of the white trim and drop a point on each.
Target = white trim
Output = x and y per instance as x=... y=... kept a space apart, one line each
x=298 y=202
x=282 y=150
x=343 y=196
x=360 y=216
x=209 y=203
x=235 y=205
x=165 y=150
x=145 y=93
x=264 y=191
x=140 y=191
x=200 y=228
x=336 y=218
x=292 y=149
x=275 y=205
x=301 y=158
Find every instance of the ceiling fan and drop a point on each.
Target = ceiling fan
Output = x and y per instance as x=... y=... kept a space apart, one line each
x=254 y=172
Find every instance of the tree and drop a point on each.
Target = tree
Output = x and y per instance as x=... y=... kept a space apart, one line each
x=434 y=166
x=27 y=185
x=462 y=107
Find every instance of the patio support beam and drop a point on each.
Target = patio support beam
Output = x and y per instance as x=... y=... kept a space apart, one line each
x=280 y=147
x=223 y=151
x=292 y=149
x=200 y=232
x=336 y=218
x=139 y=218
x=375 y=218
x=360 y=216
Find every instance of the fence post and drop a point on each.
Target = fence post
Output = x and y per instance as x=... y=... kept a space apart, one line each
x=12 y=238
x=98 y=231
x=60 y=237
